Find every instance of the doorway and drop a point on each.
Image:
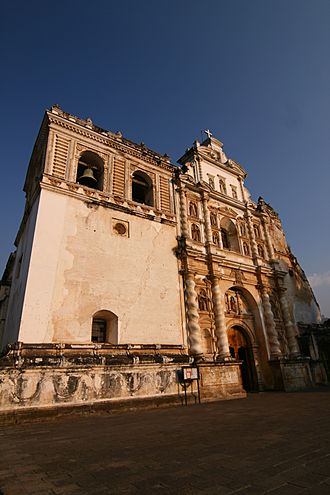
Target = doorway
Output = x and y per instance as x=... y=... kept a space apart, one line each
x=241 y=349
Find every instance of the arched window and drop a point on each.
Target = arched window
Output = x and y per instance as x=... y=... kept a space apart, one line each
x=90 y=170
x=261 y=251
x=195 y=233
x=202 y=301
x=225 y=239
x=229 y=235
x=256 y=231
x=142 y=188
x=213 y=219
x=211 y=182
x=192 y=209
x=222 y=185
x=215 y=238
x=243 y=229
x=105 y=327
x=246 y=249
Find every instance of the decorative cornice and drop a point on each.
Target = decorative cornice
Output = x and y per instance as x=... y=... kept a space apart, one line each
x=100 y=198
x=115 y=142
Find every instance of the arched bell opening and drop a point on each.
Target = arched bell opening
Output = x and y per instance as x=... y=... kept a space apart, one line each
x=142 y=188
x=105 y=327
x=240 y=348
x=90 y=170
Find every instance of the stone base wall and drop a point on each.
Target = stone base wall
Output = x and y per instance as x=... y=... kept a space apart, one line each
x=292 y=375
x=37 y=379
x=47 y=387
x=220 y=381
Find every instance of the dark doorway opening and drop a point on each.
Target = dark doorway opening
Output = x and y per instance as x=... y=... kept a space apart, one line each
x=241 y=349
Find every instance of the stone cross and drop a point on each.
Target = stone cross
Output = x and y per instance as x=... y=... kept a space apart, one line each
x=208 y=133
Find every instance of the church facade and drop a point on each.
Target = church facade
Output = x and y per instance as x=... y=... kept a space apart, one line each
x=129 y=269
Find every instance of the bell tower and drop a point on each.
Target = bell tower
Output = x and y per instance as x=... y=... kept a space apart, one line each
x=94 y=259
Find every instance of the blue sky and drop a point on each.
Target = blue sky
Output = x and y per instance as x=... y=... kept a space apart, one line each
x=256 y=72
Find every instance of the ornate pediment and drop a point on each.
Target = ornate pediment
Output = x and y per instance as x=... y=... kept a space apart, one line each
x=217 y=156
x=236 y=167
x=229 y=212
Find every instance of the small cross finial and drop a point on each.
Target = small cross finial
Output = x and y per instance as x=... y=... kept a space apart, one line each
x=208 y=133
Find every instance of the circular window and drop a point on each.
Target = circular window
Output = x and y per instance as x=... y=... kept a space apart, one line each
x=120 y=228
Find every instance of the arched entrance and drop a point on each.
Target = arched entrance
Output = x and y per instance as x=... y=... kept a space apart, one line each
x=241 y=349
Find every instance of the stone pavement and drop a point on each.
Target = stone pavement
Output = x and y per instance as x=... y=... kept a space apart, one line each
x=272 y=443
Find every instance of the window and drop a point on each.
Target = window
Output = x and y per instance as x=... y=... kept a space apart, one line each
x=256 y=231
x=90 y=170
x=234 y=192
x=222 y=185
x=142 y=188
x=105 y=327
x=243 y=230
x=192 y=209
x=211 y=182
x=225 y=239
x=246 y=249
x=229 y=235
x=260 y=251
x=195 y=233
x=99 y=330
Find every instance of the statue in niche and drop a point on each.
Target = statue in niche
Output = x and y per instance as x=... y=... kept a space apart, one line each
x=215 y=238
x=203 y=301
x=275 y=306
x=213 y=219
x=195 y=233
x=192 y=209
x=233 y=304
x=244 y=307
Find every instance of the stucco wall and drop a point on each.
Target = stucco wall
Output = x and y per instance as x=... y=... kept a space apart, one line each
x=20 y=277
x=80 y=266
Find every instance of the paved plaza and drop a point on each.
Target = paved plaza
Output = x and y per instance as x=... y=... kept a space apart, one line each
x=272 y=443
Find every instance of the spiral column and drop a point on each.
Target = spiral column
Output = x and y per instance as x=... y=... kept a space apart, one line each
x=207 y=221
x=269 y=244
x=274 y=345
x=254 y=247
x=290 y=330
x=183 y=213
x=194 y=331
x=220 y=320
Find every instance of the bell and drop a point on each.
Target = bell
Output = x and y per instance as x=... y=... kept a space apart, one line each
x=87 y=178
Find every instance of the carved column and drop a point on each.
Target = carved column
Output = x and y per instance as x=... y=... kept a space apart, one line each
x=290 y=330
x=50 y=152
x=207 y=221
x=194 y=331
x=269 y=244
x=274 y=345
x=220 y=320
x=254 y=247
x=240 y=180
x=183 y=213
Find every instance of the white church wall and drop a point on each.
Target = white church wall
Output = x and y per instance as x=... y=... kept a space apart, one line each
x=80 y=265
x=20 y=278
